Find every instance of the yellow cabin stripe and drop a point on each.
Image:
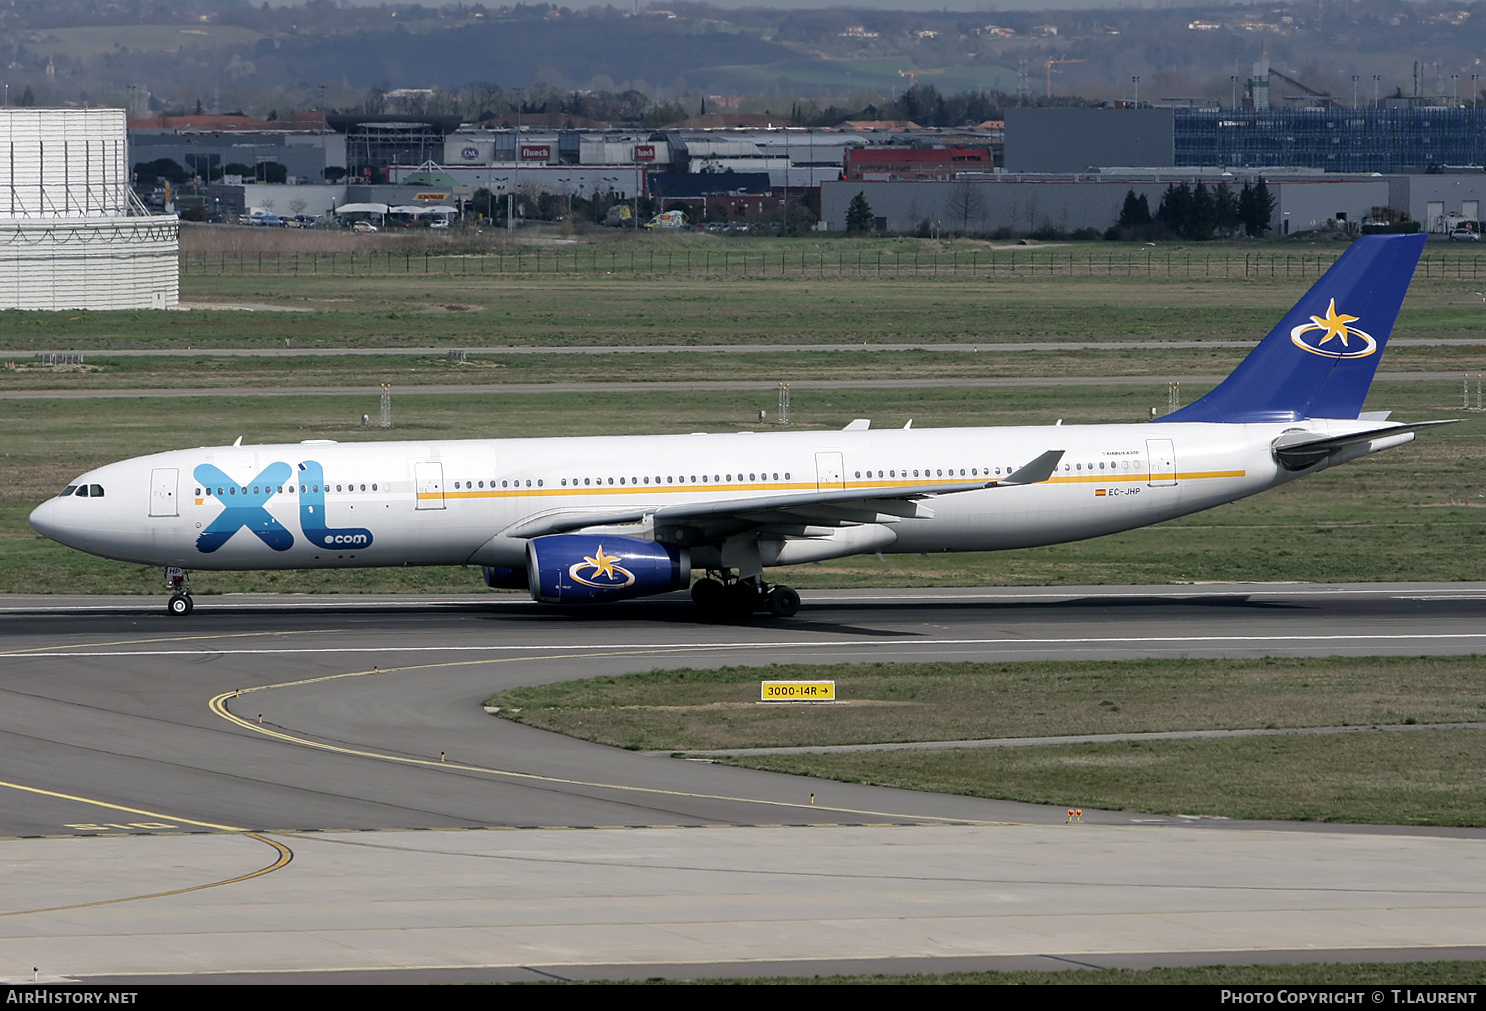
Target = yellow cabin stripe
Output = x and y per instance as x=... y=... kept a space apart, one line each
x=672 y=489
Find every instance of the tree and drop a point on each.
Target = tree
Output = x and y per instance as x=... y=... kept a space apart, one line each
x=1175 y=210
x=1225 y=210
x=147 y=172
x=1137 y=211
x=802 y=213
x=1203 y=216
x=1255 y=208
x=966 y=203
x=859 y=216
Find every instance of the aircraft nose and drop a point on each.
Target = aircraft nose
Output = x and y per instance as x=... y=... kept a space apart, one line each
x=46 y=521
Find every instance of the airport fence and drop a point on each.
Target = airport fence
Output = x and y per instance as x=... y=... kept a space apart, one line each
x=806 y=264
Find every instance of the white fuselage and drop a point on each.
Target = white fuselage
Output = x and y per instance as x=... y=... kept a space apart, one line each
x=464 y=501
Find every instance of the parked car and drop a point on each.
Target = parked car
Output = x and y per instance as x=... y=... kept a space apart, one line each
x=1464 y=235
x=364 y=226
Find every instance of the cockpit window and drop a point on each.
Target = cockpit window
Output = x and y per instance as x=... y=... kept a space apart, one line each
x=82 y=491
x=95 y=490
x=67 y=491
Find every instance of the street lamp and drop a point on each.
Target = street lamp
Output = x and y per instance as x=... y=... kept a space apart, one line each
x=1136 y=82
x=1355 y=79
x=516 y=150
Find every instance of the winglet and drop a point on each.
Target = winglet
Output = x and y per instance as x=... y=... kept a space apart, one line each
x=1037 y=471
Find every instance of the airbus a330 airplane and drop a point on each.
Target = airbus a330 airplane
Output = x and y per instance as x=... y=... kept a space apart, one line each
x=589 y=520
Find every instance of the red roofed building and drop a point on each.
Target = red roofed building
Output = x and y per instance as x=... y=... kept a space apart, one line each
x=294 y=122
x=883 y=164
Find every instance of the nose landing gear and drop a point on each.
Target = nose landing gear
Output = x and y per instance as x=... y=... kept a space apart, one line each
x=180 y=603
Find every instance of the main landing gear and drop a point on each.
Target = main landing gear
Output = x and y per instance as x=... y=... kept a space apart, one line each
x=180 y=603
x=728 y=596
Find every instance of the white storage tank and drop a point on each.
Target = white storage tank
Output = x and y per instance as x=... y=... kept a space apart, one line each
x=73 y=234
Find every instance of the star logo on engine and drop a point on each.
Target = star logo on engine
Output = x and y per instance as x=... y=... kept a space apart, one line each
x=602 y=572
x=602 y=564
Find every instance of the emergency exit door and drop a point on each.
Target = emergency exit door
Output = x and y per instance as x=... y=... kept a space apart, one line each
x=830 y=473
x=163 y=488
x=429 y=479
x=1161 y=458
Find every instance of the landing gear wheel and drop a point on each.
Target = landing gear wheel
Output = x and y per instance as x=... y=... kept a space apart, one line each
x=743 y=598
x=180 y=604
x=708 y=595
x=784 y=601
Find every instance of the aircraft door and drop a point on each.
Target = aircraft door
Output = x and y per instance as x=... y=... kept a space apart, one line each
x=163 y=487
x=830 y=474
x=429 y=480
x=1161 y=457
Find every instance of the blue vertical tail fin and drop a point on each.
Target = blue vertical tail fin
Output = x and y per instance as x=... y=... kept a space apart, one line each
x=1320 y=360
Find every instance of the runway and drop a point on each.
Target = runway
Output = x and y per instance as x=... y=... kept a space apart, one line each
x=137 y=753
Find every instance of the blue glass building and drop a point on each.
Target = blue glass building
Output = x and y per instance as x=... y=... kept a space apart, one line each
x=1336 y=140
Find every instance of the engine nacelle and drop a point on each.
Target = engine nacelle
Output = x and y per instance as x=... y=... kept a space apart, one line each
x=589 y=569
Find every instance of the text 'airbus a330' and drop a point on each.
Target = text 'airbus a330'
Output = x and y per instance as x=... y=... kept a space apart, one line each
x=591 y=520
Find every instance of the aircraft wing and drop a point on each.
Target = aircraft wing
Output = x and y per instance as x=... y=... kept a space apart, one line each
x=832 y=508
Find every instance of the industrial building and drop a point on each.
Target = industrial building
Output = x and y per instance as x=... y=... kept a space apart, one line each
x=876 y=164
x=1060 y=168
x=74 y=233
x=1389 y=139
x=1027 y=202
x=313 y=148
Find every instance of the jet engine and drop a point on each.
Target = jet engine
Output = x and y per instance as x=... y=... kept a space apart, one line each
x=591 y=569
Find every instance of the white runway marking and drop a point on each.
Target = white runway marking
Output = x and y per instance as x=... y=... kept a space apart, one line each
x=1187 y=640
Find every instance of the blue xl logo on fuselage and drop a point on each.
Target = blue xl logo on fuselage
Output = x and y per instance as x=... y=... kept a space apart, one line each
x=312 y=513
x=249 y=513
x=247 y=510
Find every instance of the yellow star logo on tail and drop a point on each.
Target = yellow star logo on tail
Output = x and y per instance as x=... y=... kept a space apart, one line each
x=1334 y=323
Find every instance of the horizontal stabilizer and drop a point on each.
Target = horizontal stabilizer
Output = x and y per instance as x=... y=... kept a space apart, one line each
x=1298 y=450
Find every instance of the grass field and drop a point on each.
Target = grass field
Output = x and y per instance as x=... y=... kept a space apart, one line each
x=381 y=307
x=848 y=364
x=1413 y=777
